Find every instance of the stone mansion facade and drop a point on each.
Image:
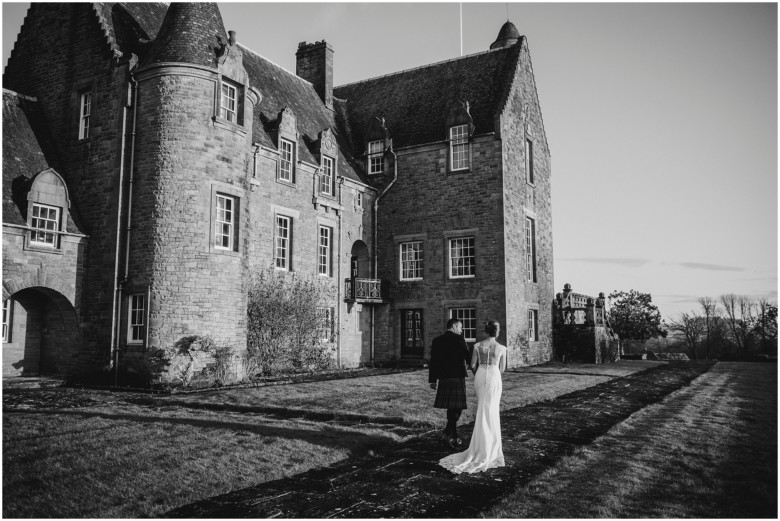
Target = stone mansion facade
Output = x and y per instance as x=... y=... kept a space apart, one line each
x=152 y=164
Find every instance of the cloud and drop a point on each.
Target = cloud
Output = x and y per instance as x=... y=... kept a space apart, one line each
x=709 y=267
x=629 y=263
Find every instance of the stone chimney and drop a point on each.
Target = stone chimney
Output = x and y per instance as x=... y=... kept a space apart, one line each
x=314 y=63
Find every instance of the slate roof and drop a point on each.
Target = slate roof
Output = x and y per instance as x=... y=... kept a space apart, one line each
x=281 y=88
x=129 y=26
x=415 y=103
x=27 y=149
x=188 y=35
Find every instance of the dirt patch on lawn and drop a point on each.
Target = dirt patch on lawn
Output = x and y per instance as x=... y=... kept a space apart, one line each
x=407 y=482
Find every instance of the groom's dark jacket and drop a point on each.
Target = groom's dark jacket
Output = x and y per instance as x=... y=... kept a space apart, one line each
x=449 y=357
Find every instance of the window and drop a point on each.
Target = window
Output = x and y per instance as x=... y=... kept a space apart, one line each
x=376 y=162
x=359 y=199
x=7 y=310
x=225 y=223
x=530 y=249
x=411 y=260
x=326 y=177
x=85 y=113
x=136 y=320
x=459 y=147
x=282 y=251
x=468 y=317
x=228 y=108
x=462 y=258
x=323 y=251
x=533 y=325
x=45 y=223
x=326 y=324
x=286 y=161
x=529 y=161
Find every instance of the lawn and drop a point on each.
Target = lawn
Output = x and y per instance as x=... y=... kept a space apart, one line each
x=706 y=451
x=120 y=459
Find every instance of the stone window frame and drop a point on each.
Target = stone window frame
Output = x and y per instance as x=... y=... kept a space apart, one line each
x=8 y=319
x=375 y=160
x=530 y=248
x=324 y=251
x=134 y=314
x=80 y=89
x=225 y=216
x=328 y=175
x=529 y=160
x=450 y=313
x=420 y=260
x=36 y=230
x=327 y=317
x=224 y=190
x=289 y=242
x=459 y=236
x=281 y=171
x=221 y=112
x=85 y=112
x=533 y=325
x=52 y=194
x=463 y=141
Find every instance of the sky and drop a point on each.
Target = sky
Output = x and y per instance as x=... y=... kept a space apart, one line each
x=661 y=120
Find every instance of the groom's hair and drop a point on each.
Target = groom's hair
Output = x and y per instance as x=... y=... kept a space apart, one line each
x=451 y=322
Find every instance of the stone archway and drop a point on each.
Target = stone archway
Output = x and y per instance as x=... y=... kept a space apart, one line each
x=43 y=333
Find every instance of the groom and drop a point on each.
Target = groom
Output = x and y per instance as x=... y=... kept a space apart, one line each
x=449 y=359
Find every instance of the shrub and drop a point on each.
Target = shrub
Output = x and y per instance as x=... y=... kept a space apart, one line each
x=284 y=323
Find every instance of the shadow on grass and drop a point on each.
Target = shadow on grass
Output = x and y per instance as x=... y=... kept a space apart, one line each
x=326 y=436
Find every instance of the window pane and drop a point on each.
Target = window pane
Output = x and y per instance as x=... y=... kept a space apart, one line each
x=224 y=223
x=326 y=177
x=462 y=257
x=468 y=317
x=324 y=251
x=286 y=161
x=411 y=260
x=136 y=321
x=375 y=159
x=282 y=242
x=45 y=221
x=459 y=147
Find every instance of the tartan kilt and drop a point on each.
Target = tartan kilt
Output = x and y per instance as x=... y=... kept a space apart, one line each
x=451 y=393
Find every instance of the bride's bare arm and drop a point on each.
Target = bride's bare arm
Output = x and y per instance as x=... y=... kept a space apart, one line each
x=474 y=360
x=502 y=361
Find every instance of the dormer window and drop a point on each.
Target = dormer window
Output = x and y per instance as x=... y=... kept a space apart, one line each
x=286 y=156
x=375 y=157
x=326 y=177
x=229 y=105
x=45 y=223
x=459 y=147
x=85 y=113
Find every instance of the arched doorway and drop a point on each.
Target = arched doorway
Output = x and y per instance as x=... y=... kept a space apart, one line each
x=40 y=332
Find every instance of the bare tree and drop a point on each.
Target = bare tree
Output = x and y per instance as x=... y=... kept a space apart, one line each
x=710 y=308
x=692 y=326
x=766 y=324
x=739 y=315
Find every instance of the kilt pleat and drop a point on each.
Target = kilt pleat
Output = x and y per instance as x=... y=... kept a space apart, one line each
x=451 y=394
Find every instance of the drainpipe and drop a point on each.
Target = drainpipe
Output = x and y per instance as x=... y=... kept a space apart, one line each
x=338 y=279
x=376 y=259
x=114 y=354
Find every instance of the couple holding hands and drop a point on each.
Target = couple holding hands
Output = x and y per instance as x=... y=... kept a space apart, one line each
x=447 y=374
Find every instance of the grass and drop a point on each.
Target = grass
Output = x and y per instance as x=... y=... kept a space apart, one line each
x=407 y=397
x=706 y=451
x=129 y=460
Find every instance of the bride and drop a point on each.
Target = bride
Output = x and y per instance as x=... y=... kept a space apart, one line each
x=485 y=450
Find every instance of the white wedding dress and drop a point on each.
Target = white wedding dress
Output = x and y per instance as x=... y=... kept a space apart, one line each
x=485 y=450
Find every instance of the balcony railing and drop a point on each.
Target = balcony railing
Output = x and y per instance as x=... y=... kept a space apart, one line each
x=363 y=290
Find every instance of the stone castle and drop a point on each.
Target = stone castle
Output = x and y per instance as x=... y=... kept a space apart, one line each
x=151 y=164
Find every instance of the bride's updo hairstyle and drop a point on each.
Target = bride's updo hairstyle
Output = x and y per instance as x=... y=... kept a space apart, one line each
x=492 y=327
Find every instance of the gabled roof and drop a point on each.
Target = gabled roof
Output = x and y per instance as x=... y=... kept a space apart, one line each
x=128 y=25
x=281 y=89
x=27 y=150
x=415 y=103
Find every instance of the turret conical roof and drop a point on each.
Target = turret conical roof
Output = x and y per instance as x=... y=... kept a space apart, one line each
x=188 y=35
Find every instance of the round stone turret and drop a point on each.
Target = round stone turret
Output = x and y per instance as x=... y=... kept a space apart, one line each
x=507 y=36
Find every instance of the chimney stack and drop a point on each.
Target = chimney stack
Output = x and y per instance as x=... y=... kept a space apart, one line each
x=314 y=63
